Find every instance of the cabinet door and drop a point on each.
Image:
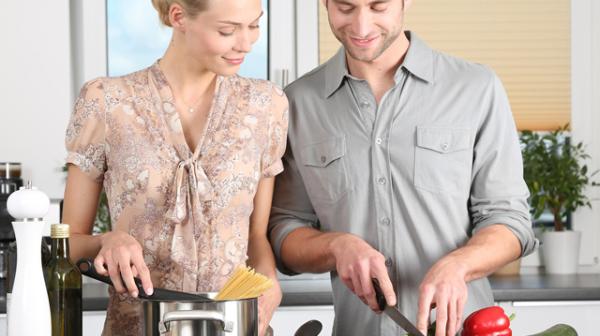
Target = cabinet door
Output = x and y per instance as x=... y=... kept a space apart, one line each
x=287 y=320
x=93 y=322
x=534 y=316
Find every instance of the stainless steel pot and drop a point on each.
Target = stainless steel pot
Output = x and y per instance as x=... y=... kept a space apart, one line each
x=201 y=318
x=168 y=312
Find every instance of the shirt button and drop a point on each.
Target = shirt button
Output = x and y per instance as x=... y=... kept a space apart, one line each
x=323 y=159
x=378 y=141
x=445 y=146
x=385 y=221
x=364 y=104
x=388 y=262
x=381 y=180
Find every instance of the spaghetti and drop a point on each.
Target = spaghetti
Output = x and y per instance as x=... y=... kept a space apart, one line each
x=245 y=283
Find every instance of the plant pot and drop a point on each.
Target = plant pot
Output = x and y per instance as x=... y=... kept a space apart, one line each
x=512 y=268
x=561 y=251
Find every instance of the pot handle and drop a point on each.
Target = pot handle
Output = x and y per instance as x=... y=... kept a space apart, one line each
x=186 y=315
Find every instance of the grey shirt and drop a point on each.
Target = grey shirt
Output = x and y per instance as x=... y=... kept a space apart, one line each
x=415 y=176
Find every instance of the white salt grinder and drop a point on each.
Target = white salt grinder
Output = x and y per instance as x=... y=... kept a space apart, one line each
x=29 y=306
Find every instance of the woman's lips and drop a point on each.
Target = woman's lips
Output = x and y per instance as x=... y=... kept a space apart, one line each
x=234 y=61
x=363 y=43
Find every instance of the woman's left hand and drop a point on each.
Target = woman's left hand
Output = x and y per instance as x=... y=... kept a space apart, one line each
x=267 y=303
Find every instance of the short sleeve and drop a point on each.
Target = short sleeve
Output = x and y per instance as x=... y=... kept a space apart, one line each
x=277 y=134
x=85 y=136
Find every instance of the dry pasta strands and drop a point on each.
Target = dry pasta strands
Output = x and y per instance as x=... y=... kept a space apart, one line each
x=245 y=283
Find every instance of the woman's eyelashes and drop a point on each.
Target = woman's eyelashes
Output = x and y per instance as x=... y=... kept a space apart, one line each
x=231 y=32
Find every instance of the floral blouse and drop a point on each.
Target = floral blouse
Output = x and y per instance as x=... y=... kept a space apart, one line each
x=189 y=210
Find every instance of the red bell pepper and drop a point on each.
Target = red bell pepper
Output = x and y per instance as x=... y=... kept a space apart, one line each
x=490 y=321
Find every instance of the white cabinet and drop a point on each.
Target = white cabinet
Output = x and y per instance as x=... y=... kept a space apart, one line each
x=287 y=320
x=93 y=321
x=534 y=316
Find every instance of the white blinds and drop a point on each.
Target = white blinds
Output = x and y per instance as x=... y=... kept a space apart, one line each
x=527 y=42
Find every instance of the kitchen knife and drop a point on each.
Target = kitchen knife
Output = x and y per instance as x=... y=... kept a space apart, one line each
x=394 y=313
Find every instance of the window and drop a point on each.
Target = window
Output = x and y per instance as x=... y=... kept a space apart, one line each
x=528 y=44
x=136 y=39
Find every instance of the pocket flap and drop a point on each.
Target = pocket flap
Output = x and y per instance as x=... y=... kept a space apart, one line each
x=443 y=139
x=321 y=154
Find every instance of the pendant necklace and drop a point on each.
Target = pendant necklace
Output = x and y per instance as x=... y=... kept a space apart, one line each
x=191 y=108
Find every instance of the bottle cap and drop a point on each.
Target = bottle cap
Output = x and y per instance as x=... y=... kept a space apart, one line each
x=59 y=231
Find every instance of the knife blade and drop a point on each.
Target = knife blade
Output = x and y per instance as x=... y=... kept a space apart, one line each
x=394 y=313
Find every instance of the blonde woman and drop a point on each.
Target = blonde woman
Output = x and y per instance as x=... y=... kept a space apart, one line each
x=186 y=151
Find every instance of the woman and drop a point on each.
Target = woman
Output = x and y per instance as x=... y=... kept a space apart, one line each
x=186 y=151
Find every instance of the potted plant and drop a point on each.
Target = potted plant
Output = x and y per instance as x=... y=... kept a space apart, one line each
x=556 y=174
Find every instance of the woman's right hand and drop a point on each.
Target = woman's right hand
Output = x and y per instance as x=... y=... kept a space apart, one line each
x=121 y=257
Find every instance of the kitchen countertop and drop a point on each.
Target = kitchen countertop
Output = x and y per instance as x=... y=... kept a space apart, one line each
x=316 y=290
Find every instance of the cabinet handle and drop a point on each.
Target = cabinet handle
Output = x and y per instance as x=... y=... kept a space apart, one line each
x=285 y=77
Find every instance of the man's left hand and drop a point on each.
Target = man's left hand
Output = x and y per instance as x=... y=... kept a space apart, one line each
x=443 y=287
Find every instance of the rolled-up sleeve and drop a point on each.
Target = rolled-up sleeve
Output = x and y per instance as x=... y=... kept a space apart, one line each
x=291 y=209
x=499 y=193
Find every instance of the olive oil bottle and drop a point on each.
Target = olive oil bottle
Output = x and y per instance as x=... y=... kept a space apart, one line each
x=63 y=281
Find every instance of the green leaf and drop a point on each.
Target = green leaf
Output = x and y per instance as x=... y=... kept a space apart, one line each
x=555 y=171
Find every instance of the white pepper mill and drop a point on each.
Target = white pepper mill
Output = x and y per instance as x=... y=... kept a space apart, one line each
x=29 y=311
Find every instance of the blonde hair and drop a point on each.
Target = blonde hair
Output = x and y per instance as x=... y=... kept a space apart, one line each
x=191 y=7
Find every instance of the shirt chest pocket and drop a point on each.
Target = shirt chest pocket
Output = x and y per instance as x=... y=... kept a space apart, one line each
x=325 y=172
x=443 y=160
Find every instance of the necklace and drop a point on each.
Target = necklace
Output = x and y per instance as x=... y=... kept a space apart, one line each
x=191 y=108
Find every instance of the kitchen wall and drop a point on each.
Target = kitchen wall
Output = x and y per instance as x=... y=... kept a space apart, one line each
x=585 y=117
x=35 y=88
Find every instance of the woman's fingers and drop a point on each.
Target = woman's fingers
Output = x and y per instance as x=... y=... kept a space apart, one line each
x=121 y=257
x=143 y=272
x=124 y=261
x=99 y=265
x=115 y=274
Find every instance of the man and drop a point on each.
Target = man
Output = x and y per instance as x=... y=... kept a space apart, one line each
x=403 y=165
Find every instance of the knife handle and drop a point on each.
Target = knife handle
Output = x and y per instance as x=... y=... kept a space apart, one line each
x=379 y=294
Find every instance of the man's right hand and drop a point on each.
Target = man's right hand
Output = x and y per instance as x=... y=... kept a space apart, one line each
x=121 y=258
x=357 y=263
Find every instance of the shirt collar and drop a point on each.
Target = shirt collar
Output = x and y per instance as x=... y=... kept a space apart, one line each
x=419 y=58
x=335 y=72
x=418 y=61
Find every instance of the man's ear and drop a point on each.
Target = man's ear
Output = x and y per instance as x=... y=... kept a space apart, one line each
x=324 y=2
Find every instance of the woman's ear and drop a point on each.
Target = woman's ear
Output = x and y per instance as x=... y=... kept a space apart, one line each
x=177 y=16
x=407 y=4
